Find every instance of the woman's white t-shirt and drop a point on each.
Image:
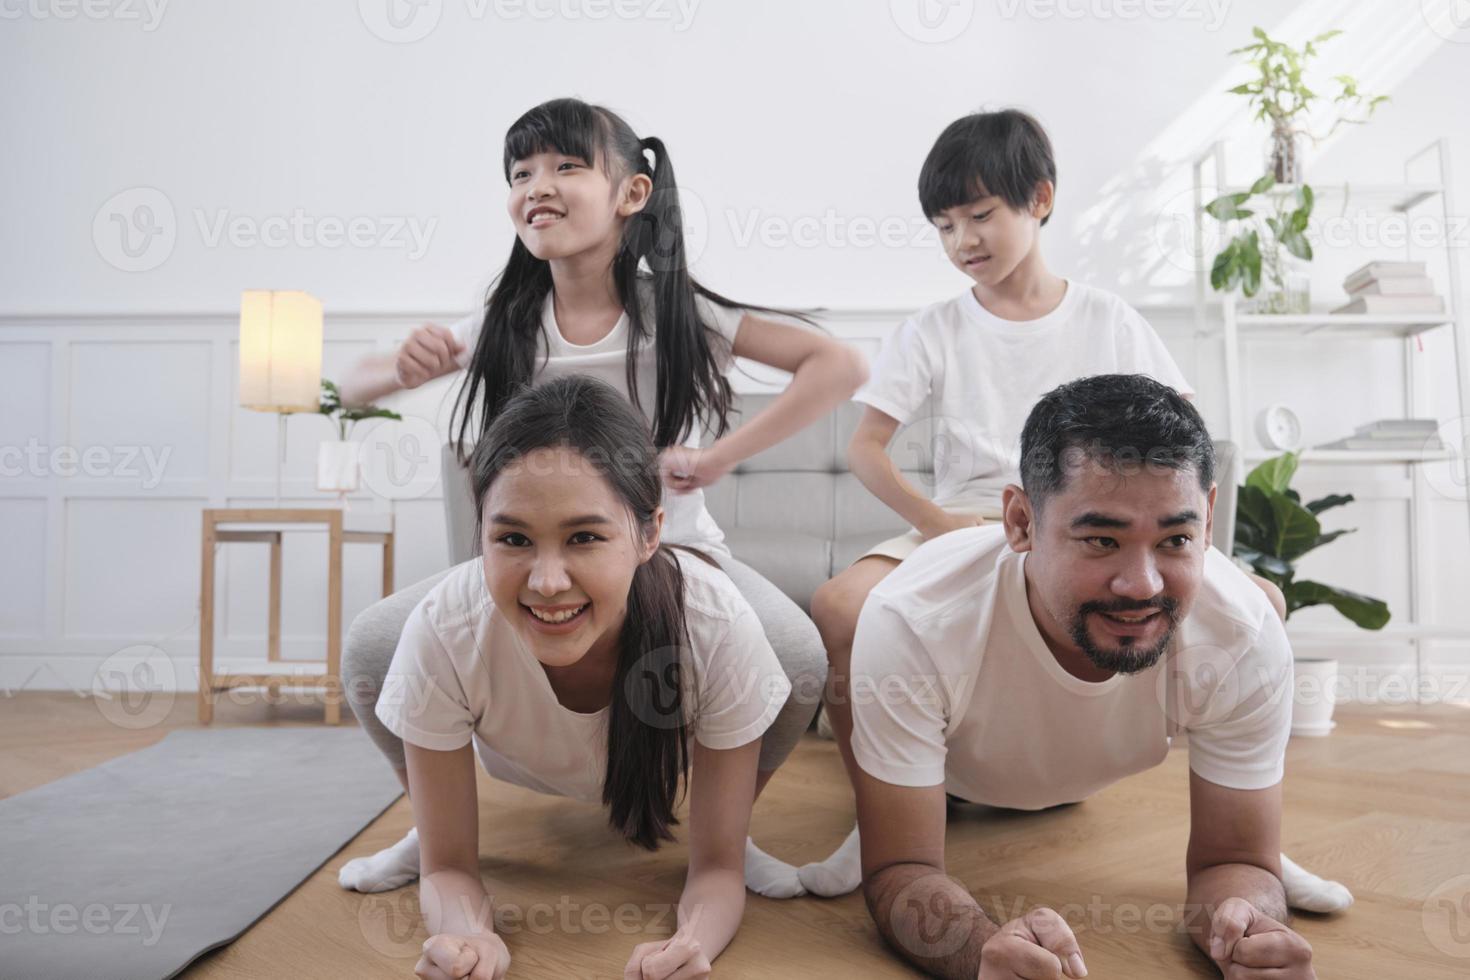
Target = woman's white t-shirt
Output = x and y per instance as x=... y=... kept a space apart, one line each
x=985 y=374
x=461 y=674
x=686 y=519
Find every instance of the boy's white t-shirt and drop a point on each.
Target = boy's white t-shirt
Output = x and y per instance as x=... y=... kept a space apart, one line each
x=953 y=684
x=686 y=519
x=985 y=374
x=461 y=674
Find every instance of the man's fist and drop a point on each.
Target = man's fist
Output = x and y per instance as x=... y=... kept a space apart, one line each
x=1245 y=942
x=1037 y=946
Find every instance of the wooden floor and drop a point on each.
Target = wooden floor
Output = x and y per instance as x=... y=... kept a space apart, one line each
x=1383 y=804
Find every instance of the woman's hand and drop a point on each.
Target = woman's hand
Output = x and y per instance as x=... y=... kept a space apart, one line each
x=684 y=469
x=428 y=353
x=678 y=958
x=448 y=957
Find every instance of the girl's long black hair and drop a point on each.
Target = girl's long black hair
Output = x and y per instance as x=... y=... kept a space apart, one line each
x=691 y=390
x=647 y=754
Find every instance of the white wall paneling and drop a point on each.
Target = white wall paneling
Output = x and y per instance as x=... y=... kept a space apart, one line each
x=100 y=562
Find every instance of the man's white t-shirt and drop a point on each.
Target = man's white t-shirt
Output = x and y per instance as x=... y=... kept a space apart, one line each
x=461 y=674
x=953 y=684
x=686 y=519
x=985 y=374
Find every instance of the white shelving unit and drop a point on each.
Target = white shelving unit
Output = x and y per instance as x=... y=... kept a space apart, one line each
x=1236 y=329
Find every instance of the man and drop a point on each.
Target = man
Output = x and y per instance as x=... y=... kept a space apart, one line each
x=1032 y=664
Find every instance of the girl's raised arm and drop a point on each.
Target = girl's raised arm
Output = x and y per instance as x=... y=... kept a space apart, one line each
x=428 y=353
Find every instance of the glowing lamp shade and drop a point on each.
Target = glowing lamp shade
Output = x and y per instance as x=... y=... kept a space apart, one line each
x=280 y=351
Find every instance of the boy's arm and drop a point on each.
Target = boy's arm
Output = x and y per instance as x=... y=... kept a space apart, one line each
x=867 y=457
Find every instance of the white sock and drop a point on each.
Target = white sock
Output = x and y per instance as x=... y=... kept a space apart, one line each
x=841 y=873
x=393 y=867
x=769 y=876
x=1310 y=893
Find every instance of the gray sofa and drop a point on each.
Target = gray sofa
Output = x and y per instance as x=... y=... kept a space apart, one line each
x=796 y=514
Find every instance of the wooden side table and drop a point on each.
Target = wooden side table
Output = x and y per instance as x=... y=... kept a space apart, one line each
x=266 y=526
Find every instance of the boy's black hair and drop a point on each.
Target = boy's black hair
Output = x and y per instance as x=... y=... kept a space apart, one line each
x=1119 y=421
x=1004 y=154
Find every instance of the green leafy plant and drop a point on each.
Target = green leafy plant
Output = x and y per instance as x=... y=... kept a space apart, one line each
x=1282 y=98
x=1243 y=260
x=1273 y=529
x=1277 y=226
x=344 y=416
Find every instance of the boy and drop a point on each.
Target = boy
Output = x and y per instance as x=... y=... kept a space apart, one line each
x=978 y=362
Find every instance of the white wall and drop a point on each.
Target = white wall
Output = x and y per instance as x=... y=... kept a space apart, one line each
x=786 y=121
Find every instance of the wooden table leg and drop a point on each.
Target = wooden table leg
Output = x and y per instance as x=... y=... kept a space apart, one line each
x=334 y=619
x=206 y=623
x=273 y=691
x=388 y=564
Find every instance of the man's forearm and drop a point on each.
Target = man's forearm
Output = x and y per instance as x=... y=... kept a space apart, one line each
x=1210 y=887
x=929 y=918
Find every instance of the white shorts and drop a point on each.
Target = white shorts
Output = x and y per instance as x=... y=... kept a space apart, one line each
x=902 y=546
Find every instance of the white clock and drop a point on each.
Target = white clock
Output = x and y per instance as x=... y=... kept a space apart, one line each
x=1278 y=428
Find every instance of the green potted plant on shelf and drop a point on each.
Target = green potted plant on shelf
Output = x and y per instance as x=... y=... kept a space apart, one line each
x=336 y=460
x=1270 y=230
x=1273 y=530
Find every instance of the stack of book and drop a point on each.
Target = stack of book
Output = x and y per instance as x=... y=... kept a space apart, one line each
x=1391 y=287
x=1393 y=435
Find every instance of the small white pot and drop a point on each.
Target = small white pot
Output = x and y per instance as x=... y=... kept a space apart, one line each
x=336 y=466
x=1314 y=691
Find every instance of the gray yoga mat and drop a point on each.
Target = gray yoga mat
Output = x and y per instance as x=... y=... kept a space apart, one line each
x=133 y=869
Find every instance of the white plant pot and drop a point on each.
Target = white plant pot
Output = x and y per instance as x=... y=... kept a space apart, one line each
x=336 y=466
x=1314 y=691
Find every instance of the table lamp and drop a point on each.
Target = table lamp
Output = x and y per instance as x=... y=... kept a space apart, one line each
x=280 y=357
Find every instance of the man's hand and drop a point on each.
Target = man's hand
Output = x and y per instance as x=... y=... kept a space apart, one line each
x=1245 y=942
x=428 y=353
x=447 y=957
x=1037 y=946
x=679 y=958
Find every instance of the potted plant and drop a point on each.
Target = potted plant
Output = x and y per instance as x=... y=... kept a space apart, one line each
x=336 y=460
x=1283 y=100
x=1273 y=529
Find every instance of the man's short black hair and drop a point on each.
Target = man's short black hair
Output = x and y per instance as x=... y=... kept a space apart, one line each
x=1004 y=154
x=1124 y=422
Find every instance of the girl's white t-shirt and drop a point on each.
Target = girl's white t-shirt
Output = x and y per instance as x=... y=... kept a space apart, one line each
x=461 y=674
x=953 y=683
x=686 y=519
x=985 y=374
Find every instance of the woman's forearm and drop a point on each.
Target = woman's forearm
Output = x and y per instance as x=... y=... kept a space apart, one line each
x=872 y=465
x=821 y=383
x=455 y=902
x=711 y=908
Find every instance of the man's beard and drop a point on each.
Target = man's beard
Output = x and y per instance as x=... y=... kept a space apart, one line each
x=1128 y=658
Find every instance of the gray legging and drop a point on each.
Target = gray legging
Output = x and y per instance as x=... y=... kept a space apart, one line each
x=373 y=636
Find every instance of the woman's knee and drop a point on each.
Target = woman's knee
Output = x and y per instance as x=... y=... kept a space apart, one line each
x=368 y=648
